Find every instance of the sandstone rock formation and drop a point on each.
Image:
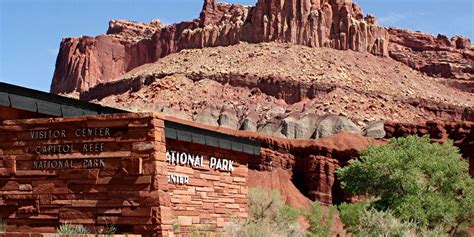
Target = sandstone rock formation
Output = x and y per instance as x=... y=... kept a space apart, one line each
x=84 y=62
x=279 y=179
x=286 y=82
x=436 y=56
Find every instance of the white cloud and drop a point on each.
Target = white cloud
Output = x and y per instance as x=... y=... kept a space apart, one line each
x=392 y=18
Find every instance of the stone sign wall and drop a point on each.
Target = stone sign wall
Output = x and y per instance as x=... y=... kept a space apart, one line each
x=205 y=194
x=114 y=169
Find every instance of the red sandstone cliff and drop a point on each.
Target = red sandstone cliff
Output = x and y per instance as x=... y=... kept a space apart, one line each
x=437 y=56
x=84 y=62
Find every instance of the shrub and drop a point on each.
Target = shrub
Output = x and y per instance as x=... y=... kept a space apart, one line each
x=319 y=221
x=268 y=216
x=263 y=204
x=426 y=183
x=109 y=230
x=360 y=220
x=176 y=226
x=72 y=229
x=350 y=215
x=379 y=223
x=287 y=217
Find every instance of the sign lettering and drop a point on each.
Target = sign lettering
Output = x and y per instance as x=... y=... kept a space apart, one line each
x=51 y=149
x=187 y=159
x=192 y=160
x=68 y=164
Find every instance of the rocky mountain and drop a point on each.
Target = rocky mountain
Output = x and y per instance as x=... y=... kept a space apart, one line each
x=86 y=61
x=313 y=80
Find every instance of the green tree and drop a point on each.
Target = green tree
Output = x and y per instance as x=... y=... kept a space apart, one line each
x=418 y=181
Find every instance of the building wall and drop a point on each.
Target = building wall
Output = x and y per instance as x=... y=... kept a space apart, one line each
x=212 y=196
x=116 y=172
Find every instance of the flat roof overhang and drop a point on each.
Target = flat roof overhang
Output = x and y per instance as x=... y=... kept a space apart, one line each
x=49 y=104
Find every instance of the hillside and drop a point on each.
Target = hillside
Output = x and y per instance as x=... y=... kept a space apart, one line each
x=264 y=82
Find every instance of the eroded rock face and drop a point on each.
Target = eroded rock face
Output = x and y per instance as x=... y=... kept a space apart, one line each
x=273 y=79
x=84 y=62
x=133 y=31
x=436 y=56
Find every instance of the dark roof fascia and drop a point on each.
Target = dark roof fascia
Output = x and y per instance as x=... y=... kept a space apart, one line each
x=56 y=99
x=192 y=134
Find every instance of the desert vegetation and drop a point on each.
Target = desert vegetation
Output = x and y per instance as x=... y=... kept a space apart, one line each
x=270 y=216
x=79 y=229
x=413 y=188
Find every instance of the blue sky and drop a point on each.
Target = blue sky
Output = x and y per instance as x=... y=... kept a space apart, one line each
x=31 y=30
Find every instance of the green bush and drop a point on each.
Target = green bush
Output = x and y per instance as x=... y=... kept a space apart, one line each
x=286 y=216
x=72 y=229
x=319 y=221
x=109 y=230
x=79 y=229
x=418 y=181
x=350 y=215
x=176 y=226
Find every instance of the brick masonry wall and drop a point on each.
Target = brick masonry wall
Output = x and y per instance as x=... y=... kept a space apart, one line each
x=212 y=196
x=122 y=192
x=119 y=177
